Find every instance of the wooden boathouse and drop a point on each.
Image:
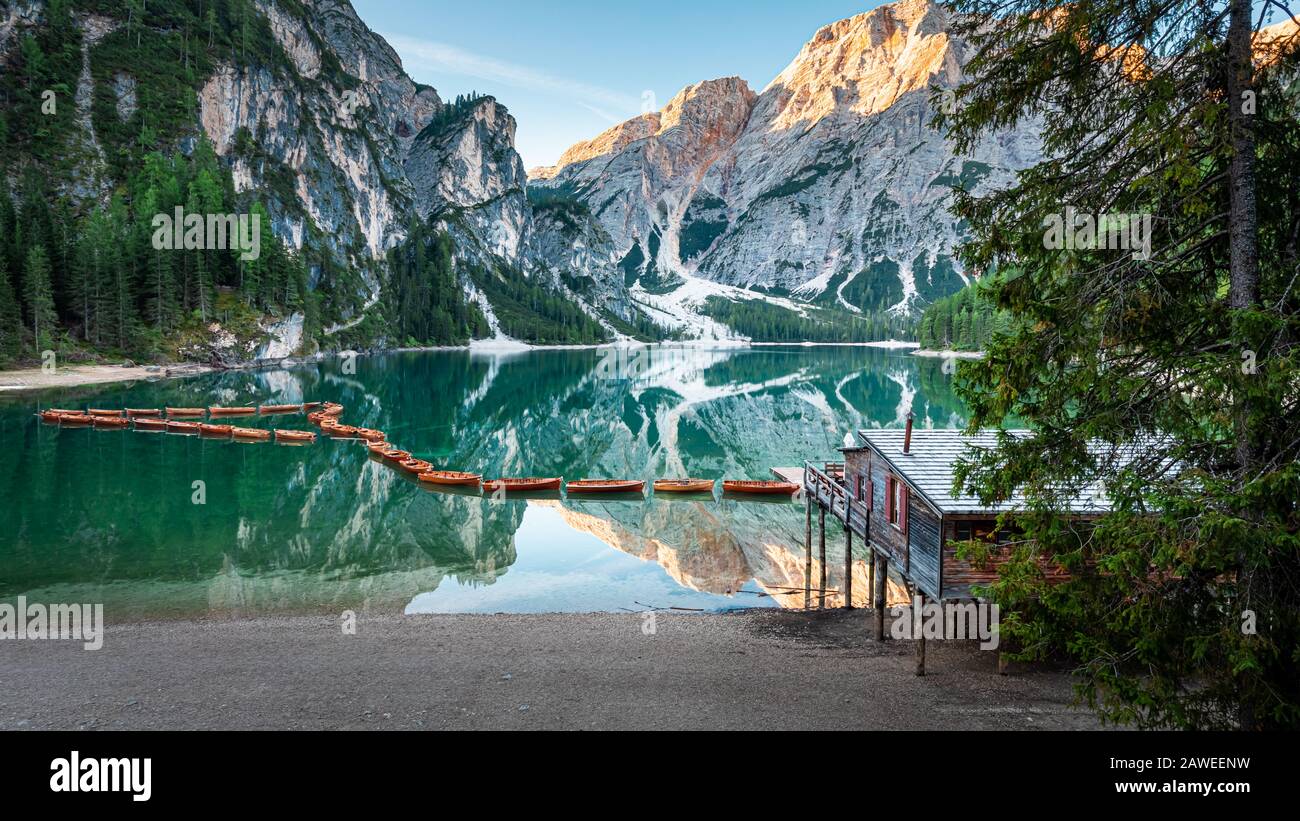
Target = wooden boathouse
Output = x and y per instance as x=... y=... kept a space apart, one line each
x=894 y=492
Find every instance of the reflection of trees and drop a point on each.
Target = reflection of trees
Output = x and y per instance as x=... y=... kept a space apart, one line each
x=116 y=506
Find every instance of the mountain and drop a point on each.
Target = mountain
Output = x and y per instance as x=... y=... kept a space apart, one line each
x=392 y=216
x=814 y=210
x=826 y=189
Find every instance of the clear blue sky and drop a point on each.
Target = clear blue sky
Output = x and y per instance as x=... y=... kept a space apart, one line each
x=568 y=70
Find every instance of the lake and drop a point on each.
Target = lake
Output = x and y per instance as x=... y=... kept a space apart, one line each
x=111 y=516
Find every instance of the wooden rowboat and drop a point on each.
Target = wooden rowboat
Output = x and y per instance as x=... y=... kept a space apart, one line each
x=394 y=455
x=217 y=410
x=449 y=477
x=74 y=419
x=65 y=412
x=310 y=406
x=134 y=412
x=187 y=428
x=378 y=448
x=371 y=435
x=279 y=409
x=294 y=436
x=769 y=487
x=186 y=411
x=100 y=412
x=416 y=466
x=523 y=484
x=150 y=424
x=251 y=434
x=115 y=422
x=340 y=431
x=317 y=417
x=332 y=409
x=51 y=416
x=683 y=486
x=605 y=486
x=215 y=430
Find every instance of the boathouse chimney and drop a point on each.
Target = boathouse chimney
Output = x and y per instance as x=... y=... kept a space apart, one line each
x=907 y=436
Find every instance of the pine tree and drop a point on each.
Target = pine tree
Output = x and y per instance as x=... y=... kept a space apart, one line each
x=119 y=286
x=39 y=295
x=1170 y=379
x=11 y=319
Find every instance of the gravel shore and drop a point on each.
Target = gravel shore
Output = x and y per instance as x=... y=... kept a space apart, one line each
x=748 y=670
x=71 y=376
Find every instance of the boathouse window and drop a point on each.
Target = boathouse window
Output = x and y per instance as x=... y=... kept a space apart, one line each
x=969 y=530
x=982 y=529
x=895 y=502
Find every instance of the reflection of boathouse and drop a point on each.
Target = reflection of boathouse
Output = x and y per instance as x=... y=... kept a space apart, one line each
x=894 y=492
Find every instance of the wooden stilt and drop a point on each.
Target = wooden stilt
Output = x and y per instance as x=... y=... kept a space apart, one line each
x=1004 y=662
x=821 y=547
x=848 y=568
x=882 y=585
x=807 y=552
x=918 y=601
x=871 y=575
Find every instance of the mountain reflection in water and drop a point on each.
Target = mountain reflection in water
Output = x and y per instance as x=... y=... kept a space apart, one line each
x=110 y=516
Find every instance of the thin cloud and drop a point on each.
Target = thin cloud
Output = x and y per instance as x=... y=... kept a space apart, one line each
x=602 y=114
x=430 y=55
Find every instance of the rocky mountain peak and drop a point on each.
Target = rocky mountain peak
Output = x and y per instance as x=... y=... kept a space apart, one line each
x=700 y=116
x=866 y=63
x=716 y=106
x=610 y=141
x=829 y=187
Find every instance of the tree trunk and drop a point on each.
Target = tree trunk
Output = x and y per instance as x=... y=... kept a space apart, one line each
x=1243 y=263
x=1242 y=223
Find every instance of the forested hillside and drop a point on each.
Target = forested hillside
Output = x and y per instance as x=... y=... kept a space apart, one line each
x=79 y=269
x=95 y=278
x=289 y=115
x=767 y=322
x=964 y=321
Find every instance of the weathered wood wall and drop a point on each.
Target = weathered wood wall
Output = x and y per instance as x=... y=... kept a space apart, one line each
x=959 y=575
x=916 y=553
x=923 y=540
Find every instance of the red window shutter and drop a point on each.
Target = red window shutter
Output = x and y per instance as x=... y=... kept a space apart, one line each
x=889 y=498
x=902 y=508
x=871 y=493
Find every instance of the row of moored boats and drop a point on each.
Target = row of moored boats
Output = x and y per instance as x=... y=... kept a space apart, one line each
x=186 y=421
x=380 y=448
x=326 y=416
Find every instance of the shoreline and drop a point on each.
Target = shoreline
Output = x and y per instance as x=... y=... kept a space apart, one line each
x=31 y=380
x=25 y=381
x=803 y=670
x=948 y=354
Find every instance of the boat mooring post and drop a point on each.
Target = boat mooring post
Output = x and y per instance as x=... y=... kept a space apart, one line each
x=807 y=549
x=882 y=584
x=848 y=567
x=821 y=546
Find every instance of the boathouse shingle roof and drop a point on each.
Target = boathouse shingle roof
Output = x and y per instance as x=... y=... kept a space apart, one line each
x=930 y=464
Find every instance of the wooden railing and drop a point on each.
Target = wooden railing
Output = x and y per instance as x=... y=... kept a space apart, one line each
x=825 y=484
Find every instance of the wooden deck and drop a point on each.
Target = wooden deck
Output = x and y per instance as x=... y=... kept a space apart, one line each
x=825 y=486
x=789 y=475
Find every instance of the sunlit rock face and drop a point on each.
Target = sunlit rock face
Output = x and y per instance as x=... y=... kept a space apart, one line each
x=639 y=177
x=324 y=127
x=470 y=166
x=337 y=128
x=829 y=185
